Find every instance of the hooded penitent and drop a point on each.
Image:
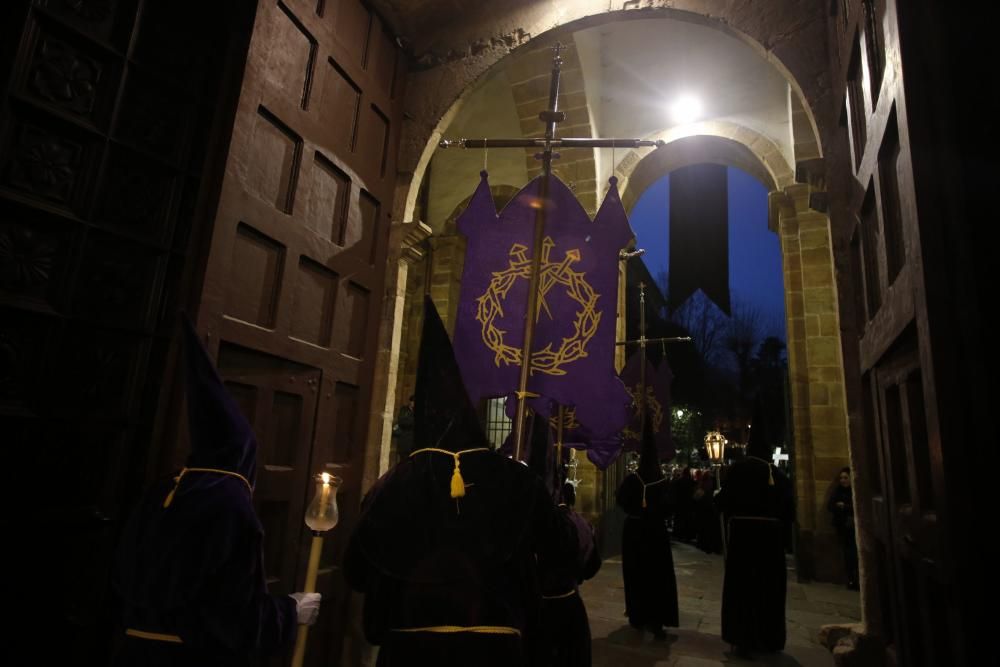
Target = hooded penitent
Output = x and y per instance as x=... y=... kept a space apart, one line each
x=428 y=558
x=445 y=425
x=222 y=440
x=189 y=563
x=756 y=500
x=647 y=562
x=542 y=452
x=647 y=485
x=649 y=457
x=443 y=414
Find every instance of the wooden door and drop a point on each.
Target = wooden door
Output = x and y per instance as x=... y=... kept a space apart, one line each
x=905 y=321
x=110 y=117
x=297 y=259
x=279 y=399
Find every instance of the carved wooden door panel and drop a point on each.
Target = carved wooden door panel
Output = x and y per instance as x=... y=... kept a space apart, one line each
x=900 y=394
x=279 y=399
x=915 y=584
x=109 y=112
x=297 y=260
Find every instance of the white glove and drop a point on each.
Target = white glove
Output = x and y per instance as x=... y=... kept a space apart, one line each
x=306 y=607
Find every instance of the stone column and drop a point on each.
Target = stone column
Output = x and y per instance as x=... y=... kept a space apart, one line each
x=816 y=371
x=405 y=243
x=447 y=261
x=409 y=238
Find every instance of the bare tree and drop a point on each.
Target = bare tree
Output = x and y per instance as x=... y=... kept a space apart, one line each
x=743 y=335
x=706 y=324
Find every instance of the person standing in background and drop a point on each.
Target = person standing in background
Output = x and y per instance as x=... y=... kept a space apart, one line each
x=841 y=506
x=756 y=501
x=647 y=560
x=402 y=430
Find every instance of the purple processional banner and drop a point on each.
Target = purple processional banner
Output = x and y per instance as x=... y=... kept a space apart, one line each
x=602 y=452
x=572 y=361
x=657 y=397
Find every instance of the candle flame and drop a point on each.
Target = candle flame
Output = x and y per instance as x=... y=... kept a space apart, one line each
x=325 y=477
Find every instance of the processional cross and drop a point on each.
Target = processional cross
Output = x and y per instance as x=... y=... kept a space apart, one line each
x=642 y=342
x=550 y=117
x=778 y=457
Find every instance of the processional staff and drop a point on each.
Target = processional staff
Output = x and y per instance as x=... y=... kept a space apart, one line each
x=321 y=516
x=550 y=117
x=642 y=341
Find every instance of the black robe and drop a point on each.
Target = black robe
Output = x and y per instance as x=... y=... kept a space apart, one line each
x=647 y=562
x=195 y=569
x=709 y=527
x=564 y=637
x=427 y=560
x=682 y=491
x=753 y=593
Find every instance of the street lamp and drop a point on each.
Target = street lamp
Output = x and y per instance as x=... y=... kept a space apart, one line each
x=322 y=515
x=715 y=447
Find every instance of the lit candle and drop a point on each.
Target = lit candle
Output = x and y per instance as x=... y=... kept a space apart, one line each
x=325 y=495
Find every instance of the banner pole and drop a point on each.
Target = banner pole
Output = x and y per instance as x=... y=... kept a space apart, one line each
x=550 y=117
x=559 y=448
x=642 y=403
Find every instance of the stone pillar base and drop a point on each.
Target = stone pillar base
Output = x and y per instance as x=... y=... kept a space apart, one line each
x=818 y=557
x=851 y=646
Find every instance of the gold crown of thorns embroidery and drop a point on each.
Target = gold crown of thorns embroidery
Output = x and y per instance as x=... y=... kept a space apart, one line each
x=490 y=308
x=569 y=420
x=656 y=411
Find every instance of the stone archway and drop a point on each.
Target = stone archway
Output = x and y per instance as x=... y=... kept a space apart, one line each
x=794 y=45
x=791 y=44
x=815 y=364
x=715 y=142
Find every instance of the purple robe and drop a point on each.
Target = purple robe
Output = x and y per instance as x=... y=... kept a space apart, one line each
x=194 y=569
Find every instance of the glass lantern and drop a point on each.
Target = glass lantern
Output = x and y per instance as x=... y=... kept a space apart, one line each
x=322 y=514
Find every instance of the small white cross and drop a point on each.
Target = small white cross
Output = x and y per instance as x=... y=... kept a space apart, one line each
x=778 y=456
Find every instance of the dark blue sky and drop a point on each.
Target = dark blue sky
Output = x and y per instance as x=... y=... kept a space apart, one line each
x=754 y=253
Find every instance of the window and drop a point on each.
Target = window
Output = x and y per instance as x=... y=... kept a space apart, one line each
x=498 y=424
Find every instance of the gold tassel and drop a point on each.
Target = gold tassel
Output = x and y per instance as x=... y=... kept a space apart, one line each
x=457 y=483
x=770 y=476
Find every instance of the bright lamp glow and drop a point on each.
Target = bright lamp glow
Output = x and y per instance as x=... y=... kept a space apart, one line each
x=686 y=109
x=715 y=446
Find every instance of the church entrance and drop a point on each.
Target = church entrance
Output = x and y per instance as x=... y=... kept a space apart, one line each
x=747 y=115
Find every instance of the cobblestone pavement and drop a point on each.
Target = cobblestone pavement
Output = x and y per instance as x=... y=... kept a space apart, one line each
x=697 y=643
